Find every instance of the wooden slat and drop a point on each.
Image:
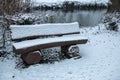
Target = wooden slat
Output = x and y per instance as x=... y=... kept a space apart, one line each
x=48 y=45
x=24 y=32
x=37 y=36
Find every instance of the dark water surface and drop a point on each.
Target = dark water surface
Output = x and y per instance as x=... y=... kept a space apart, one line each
x=84 y=17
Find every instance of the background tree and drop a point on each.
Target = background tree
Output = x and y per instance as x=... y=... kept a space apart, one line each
x=7 y=9
x=10 y=7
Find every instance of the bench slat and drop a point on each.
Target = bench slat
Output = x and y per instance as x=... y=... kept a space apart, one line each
x=32 y=45
x=37 y=36
x=21 y=32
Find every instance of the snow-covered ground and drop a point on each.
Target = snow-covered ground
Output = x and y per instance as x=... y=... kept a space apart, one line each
x=82 y=2
x=100 y=61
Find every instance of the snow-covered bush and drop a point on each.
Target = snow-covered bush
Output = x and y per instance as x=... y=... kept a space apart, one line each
x=70 y=4
x=111 y=20
x=32 y=18
x=5 y=39
x=112 y=26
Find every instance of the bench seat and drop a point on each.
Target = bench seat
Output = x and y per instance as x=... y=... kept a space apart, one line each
x=37 y=44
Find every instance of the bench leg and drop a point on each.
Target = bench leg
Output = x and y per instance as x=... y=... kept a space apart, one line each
x=49 y=55
x=70 y=51
x=32 y=57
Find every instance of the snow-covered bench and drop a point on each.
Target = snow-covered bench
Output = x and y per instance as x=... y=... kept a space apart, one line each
x=30 y=39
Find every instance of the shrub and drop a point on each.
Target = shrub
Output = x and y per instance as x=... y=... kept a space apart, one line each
x=112 y=26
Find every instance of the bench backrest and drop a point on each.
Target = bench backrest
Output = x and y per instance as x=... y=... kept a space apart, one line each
x=23 y=32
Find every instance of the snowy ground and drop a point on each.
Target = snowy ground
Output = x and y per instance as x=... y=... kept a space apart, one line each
x=59 y=2
x=100 y=61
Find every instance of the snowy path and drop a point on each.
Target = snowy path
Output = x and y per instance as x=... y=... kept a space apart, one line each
x=100 y=61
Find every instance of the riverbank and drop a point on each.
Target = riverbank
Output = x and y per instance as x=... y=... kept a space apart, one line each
x=70 y=4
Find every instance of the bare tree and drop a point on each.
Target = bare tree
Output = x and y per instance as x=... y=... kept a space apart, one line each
x=11 y=6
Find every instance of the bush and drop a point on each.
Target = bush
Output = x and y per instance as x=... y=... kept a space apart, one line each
x=52 y=19
x=27 y=21
x=112 y=26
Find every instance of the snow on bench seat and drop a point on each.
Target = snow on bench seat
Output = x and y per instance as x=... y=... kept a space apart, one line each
x=32 y=45
x=20 y=32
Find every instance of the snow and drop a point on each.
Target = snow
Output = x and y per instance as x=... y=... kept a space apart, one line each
x=59 y=2
x=43 y=29
x=100 y=61
x=28 y=43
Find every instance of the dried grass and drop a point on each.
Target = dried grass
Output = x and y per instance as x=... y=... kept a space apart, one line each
x=10 y=7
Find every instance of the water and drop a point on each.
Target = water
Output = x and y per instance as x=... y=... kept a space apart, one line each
x=84 y=17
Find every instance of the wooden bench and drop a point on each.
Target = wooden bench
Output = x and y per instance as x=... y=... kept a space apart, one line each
x=28 y=40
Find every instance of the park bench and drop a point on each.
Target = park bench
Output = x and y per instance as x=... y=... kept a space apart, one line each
x=28 y=40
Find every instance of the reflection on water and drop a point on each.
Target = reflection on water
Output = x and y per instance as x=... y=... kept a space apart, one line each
x=84 y=17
